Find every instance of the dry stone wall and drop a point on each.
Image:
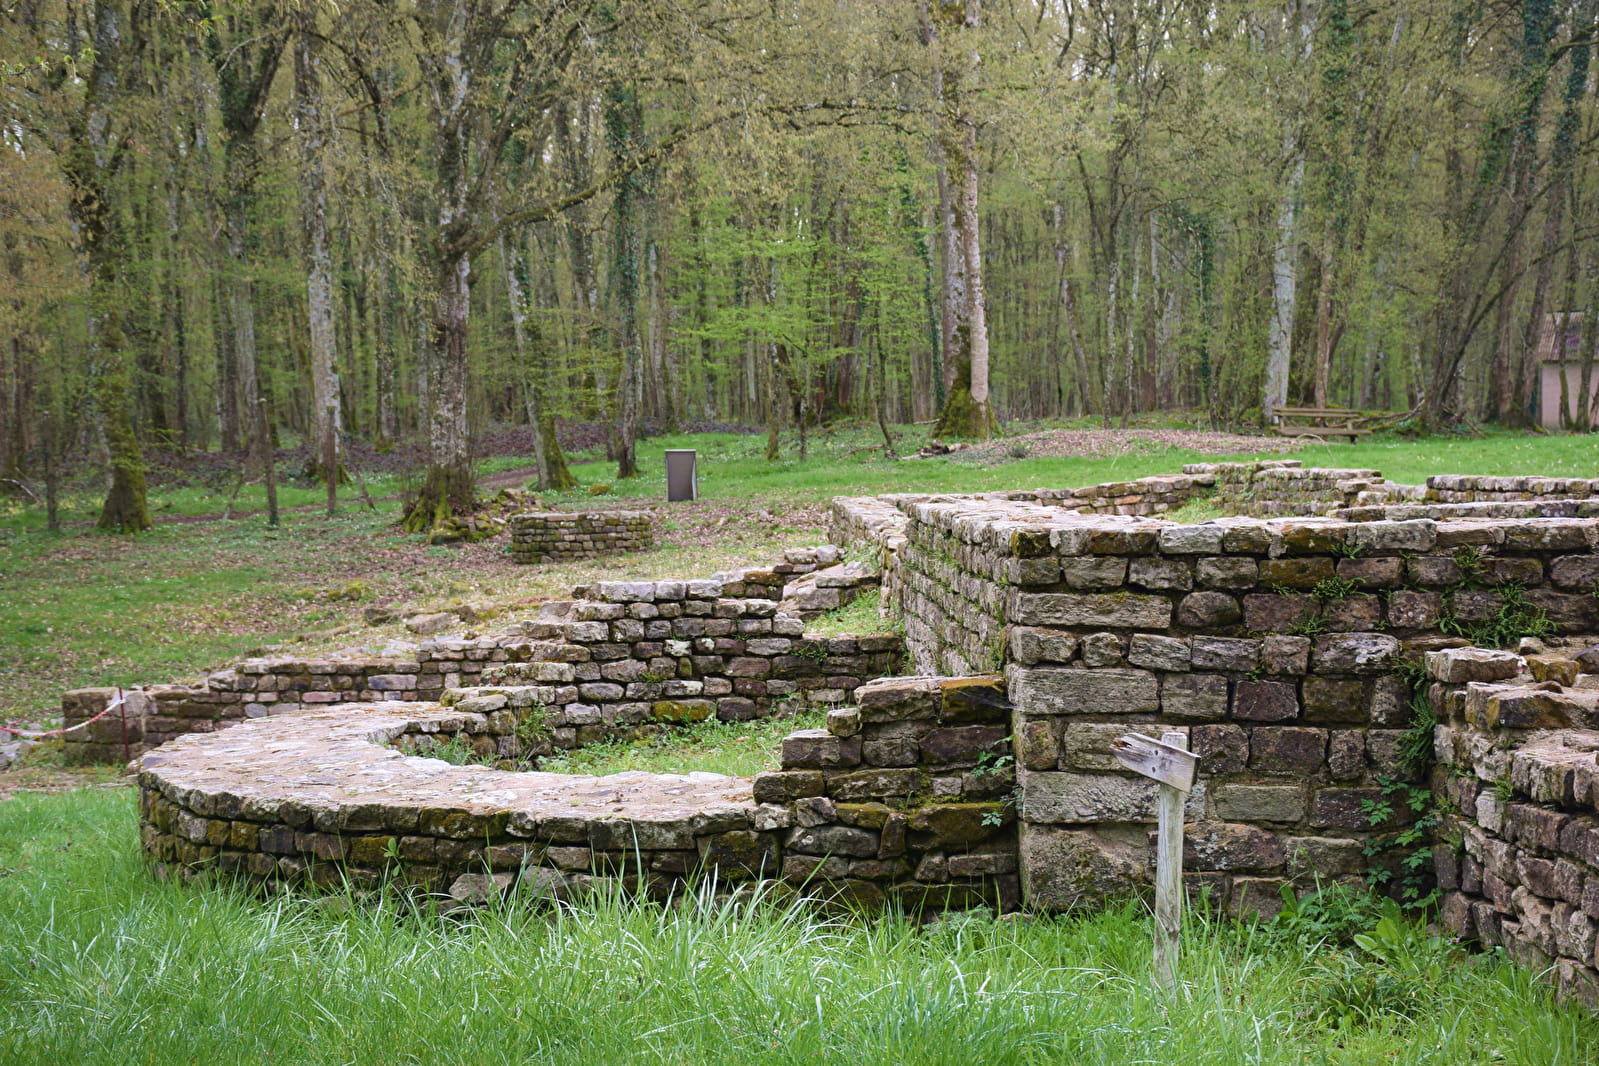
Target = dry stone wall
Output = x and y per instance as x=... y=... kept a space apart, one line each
x=324 y=797
x=560 y=536
x=620 y=660
x=901 y=799
x=905 y=797
x=1274 y=644
x=1517 y=786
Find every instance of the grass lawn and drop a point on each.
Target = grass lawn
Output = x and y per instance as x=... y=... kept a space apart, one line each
x=99 y=964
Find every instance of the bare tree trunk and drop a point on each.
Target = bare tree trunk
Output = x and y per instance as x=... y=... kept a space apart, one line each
x=311 y=133
x=966 y=411
x=1284 y=293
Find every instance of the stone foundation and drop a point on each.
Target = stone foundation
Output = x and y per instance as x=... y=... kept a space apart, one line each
x=1517 y=789
x=560 y=536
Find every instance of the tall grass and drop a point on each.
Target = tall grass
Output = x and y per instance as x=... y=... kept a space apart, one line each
x=100 y=965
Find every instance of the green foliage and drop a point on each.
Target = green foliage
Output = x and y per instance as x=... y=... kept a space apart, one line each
x=741 y=978
x=739 y=749
x=1513 y=619
x=1334 y=588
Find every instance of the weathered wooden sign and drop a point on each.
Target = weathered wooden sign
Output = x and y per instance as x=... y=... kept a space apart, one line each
x=1168 y=761
x=1170 y=764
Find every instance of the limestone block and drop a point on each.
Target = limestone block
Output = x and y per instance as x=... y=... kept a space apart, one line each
x=1229 y=846
x=1029 y=645
x=1079 y=798
x=1043 y=690
x=1065 y=869
x=1287 y=749
x=1265 y=701
x=1459 y=665
x=817 y=749
x=1354 y=653
x=1124 y=610
x=1225 y=653
x=1284 y=655
x=1194 y=697
x=1260 y=803
x=1159 y=653
x=1209 y=610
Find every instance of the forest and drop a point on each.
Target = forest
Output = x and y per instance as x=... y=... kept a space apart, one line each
x=241 y=226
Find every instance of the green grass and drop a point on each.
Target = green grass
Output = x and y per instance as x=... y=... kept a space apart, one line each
x=739 y=749
x=858 y=616
x=98 y=964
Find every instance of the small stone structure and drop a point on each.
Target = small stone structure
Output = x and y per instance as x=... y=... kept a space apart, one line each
x=560 y=536
x=1517 y=785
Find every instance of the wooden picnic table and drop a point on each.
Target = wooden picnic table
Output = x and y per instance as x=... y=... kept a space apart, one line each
x=1319 y=422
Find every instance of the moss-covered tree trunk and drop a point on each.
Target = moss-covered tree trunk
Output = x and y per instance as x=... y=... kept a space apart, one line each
x=449 y=488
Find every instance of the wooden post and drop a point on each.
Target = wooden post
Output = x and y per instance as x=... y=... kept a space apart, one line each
x=1169 y=762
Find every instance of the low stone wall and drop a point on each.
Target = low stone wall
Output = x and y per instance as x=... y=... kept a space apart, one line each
x=1517 y=786
x=634 y=657
x=323 y=797
x=559 y=536
x=1467 y=488
x=901 y=799
x=257 y=688
x=907 y=797
x=621 y=660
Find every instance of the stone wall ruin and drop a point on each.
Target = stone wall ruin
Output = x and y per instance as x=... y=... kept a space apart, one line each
x=1044 y=623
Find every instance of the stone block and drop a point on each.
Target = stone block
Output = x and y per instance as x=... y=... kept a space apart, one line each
x=1227 y=846
x=1373 y=573
x=1158 y=653
x=818 y=749
x=1296 y=573
x=1346 y=753
x=1329 y=699
x=942 y=826
x=1153 y=572
x=1343 y=808
x=1227 y=572
x=1191 y=540
x=1285 y=655
x=1457 y=666
x=1103 y=649
x=1287 y=749
x=894 y=699
x=1278 y=612
x=1353 y=613
x=1086 y=745
x=1233 y=654
x=1265 y=701
x=1209 y=610
x=1038 y=744
x=962 y=745
x=890 y=785
x=1080 y=798
x=1324 y=857
x=1093 y=572
x=1029 y=645
x=1041 y=690
x=1260 y=803
x=1194 y=697
x=1222 y=749
x=833 y=840
x=1064 y=869
x=1091 y=610
x=775 y=787
x=1354 y=653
